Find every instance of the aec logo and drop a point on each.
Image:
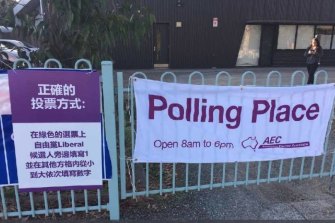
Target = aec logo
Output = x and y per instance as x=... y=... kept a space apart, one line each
x=272 y=140
x=252 y=143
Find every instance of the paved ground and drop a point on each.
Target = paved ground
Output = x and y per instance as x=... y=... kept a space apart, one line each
x=296 y=200
x=304 y=200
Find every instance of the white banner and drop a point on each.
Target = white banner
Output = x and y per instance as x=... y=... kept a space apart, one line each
x=184 y=123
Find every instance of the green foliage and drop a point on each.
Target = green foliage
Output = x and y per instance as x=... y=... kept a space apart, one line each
x=6 y=13
x=74 y=29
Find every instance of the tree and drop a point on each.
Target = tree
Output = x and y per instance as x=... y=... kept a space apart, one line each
x=73 y=29
x=6 y=13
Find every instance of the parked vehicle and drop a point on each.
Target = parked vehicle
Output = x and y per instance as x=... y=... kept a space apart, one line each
x=5 y=62
x=11 y=50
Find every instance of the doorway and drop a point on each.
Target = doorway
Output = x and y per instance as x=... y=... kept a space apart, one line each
x=269 y=34
x=161 y=44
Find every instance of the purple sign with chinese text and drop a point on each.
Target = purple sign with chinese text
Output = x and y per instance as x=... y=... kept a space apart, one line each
x=55 y=96
x=57 y=128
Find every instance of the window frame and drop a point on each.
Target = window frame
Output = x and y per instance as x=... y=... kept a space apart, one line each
x=332 y=41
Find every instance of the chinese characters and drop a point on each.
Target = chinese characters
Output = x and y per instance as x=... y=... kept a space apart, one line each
x=56 y=96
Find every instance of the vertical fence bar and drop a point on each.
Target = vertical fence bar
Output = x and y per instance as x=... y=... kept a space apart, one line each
x=302 y=167
x=17 y=198
x=161 y=179
x=291 y=170
x=223 y=175
x=190 y=77
x=3 y=202
x=122 y=130
x=247 y=173
x=99 y=199
x=132 y=124
x=59 y=198
x=259 y=171
x=186 y=176
x=269 y=171
x=174 y=179
x=86 y=200
x=280 y=170
x=332 y=165
x=199 y=176
x=212 y=176
x=46 y=205
x=235 y=175
x=147 y=179
x=324 y=157
x=311 y=172
x=109 y=110
x=73 y=204
x=31 y=198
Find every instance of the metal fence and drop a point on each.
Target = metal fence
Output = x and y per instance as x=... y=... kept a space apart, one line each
x=18 y=204
x=147 y=179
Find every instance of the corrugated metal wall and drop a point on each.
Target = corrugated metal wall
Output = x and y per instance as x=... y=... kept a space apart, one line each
x=198 y=45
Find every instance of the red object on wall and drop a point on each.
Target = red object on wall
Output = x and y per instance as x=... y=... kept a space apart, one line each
x=215 y=22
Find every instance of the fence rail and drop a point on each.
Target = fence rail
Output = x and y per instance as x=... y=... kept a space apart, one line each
x=20 y=204
x=148 y=179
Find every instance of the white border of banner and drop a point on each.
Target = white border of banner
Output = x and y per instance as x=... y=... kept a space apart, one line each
x=184 y=123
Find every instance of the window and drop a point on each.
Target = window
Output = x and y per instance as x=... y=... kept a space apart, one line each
x=7 y=45
x=286 y=37
x=325 y=34
x=249 y=49
x=299 y=36
x=304 y=36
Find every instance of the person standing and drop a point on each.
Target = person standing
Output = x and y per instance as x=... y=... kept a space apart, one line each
x=313 y=54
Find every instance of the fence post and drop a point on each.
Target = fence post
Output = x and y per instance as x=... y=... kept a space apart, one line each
x=109 y=116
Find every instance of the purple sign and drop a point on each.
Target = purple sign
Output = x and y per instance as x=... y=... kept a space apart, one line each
x=57 y=128
x=59 y=96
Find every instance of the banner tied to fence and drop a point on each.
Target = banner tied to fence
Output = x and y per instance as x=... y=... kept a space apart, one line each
x=184 y=123
x=57 y=129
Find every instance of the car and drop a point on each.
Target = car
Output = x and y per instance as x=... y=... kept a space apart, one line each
x=11 y=50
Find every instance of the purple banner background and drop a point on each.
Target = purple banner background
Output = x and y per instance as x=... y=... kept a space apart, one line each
x=23 y=86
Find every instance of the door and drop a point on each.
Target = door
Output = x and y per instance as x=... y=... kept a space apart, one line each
x=161 y=45
x=267 y=44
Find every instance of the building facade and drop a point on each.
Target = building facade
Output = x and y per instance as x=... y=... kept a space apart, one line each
x=229 y=33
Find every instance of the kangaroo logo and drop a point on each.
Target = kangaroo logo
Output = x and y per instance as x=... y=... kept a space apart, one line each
x=250 y=142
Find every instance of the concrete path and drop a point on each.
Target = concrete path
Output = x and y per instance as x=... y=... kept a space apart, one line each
x=297 y=200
